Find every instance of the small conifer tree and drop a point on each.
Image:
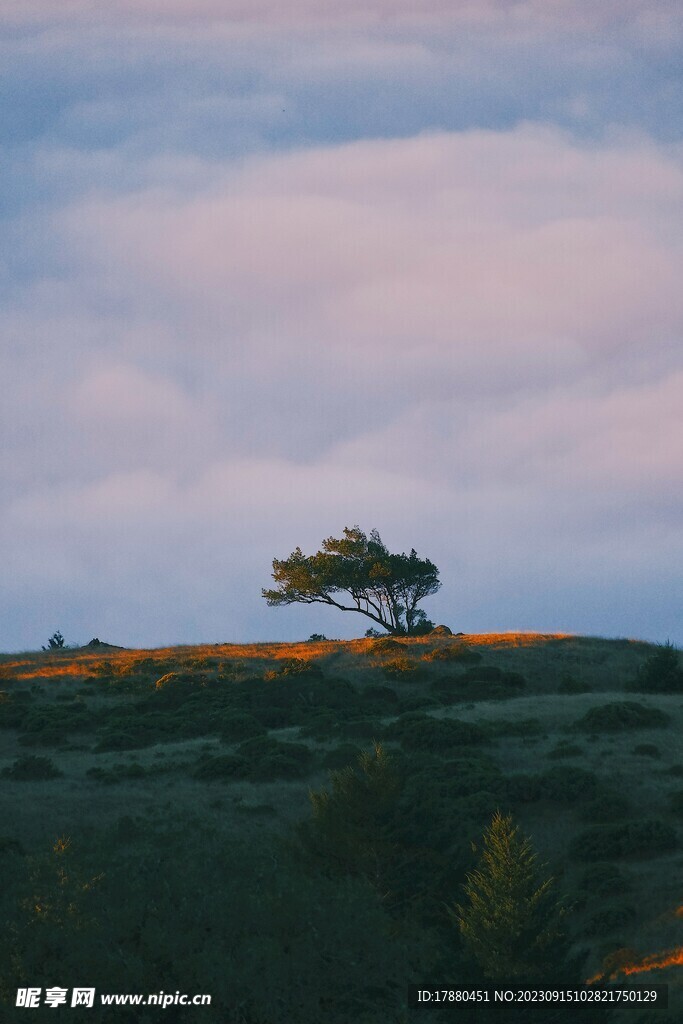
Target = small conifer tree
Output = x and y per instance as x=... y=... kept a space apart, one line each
x=351 y=824
x=511 y=922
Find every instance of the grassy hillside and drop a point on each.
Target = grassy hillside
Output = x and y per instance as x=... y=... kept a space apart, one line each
x=165 y=755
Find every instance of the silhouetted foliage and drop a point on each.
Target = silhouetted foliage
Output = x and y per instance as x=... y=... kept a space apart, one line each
x=662 y=672
x=55 y=643
x=385 y=587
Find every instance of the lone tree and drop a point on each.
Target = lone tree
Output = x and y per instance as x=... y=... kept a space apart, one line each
x=357 y=573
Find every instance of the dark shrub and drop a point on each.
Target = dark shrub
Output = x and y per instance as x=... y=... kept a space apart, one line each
x=268 y=758
x=421 y=732
x=607 y=807
x=604 y=879
x=523 y=727
x=676 y=801
x=359 y=728
x=462 y=777
x=291 y=699
x=416 y=702
x=378 y=700
x=622 y=715
x=49 y=726
x=480 y=683
x=257 y=810
x=176 y=687
x=339 y=757
x=238 y=725
x=491 y=674
x=647 y=750
x=633 y=839
x=609 y=919
x=119 y=740
x=11 y=847
x=14 y=708
x=224 y=766
x=662 y=672
x=567 y=785
x=117 y=773
x=321 y=726
x=569 y=685
x=565 y=749
x=30 y=767
x=523 y=788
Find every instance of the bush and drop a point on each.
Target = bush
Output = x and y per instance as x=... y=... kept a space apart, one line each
x=565 y=749
x=224 y=766
x=177 y=686
x=117 y=773
x=359 y=728
x=633 y=839
x=379 y=700
x=416 y=731
x=607 y=807
x=647 y=750
x=662 y=672
x=604 y=879
x=569 y=686
x=484 y=682
x=523 y=727
x=399 y=668
x=416 y=702
x=15 y=707
x=567 y=785
x=295 y=668
x=50 y=726
x=238 y=725
x=340 y=757
x=610 y=919
x=460 y=654
x=384 y=644
x=268 y=759
x=30 y=768
x=620 y=716
x=491 y=674
x=523 y=788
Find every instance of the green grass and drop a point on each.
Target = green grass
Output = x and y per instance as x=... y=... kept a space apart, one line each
x=550 y=728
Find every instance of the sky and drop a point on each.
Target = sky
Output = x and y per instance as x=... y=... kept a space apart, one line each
x=272 y=270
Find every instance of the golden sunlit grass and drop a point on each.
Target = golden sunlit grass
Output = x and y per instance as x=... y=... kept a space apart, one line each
x=86 y=662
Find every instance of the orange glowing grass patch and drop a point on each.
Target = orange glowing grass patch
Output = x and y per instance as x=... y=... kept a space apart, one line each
x=653 y=962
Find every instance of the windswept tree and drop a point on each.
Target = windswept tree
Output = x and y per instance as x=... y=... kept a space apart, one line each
x=357 y=573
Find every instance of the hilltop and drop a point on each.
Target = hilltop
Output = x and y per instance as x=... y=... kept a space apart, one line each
x=568 y=733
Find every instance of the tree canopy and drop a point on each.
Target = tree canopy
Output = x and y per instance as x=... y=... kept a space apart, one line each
x=357 y=573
